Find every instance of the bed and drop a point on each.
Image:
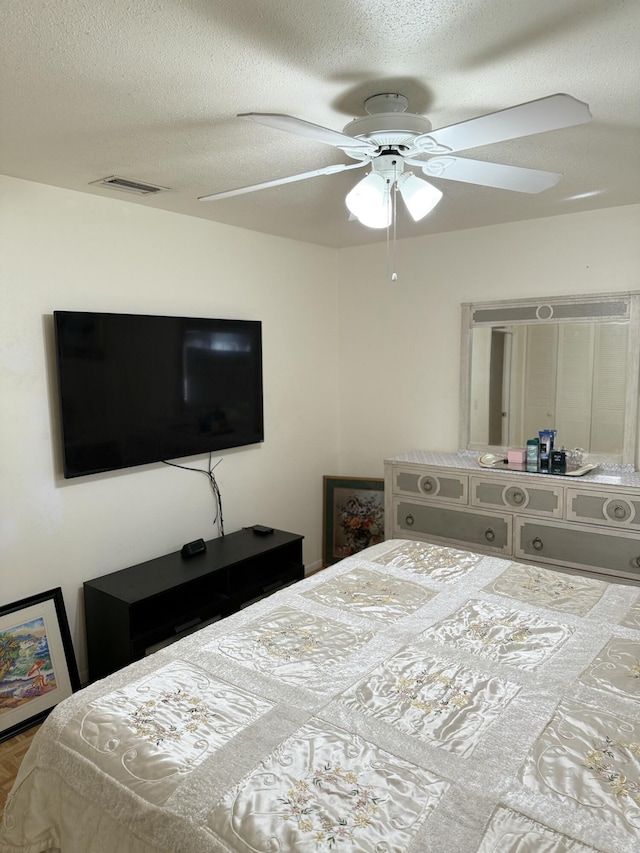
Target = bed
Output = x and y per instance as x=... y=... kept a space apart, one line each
x=412 y=698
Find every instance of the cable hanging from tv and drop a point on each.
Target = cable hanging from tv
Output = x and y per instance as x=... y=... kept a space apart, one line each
x=217 y=496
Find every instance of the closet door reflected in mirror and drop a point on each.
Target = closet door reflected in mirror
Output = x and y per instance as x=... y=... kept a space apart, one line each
x=565 y=364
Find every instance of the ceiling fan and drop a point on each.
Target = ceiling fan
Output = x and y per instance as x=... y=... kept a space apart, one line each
x=390 y=139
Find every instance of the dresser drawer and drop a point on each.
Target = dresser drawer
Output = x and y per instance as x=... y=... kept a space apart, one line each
x=532 y=499
x=614 y=509
x=579 y=546
x=481 y=530
x=435 y=485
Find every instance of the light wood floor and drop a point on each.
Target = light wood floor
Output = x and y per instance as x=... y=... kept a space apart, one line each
x=12 y=752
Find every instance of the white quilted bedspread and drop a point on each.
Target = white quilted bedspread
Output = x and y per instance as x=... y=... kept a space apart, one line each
x=411 y=699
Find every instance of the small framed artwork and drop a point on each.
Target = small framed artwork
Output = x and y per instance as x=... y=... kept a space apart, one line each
x=37 y=665
x=353 y=516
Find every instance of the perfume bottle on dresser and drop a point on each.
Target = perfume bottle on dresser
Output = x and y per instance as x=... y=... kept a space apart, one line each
x=547 y=438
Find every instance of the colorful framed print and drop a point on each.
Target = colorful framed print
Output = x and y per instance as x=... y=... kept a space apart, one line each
x=37 y=665
x=353 y=516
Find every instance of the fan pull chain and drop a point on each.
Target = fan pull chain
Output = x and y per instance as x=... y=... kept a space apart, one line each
x=386 y=272
x=394 y=274
x=393 y=206
x=388 y=253
x=394 y=217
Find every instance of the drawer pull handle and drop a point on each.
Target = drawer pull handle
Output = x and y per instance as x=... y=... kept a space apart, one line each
x=427 y=485
x=489 y=535
x=636 y=562
x=538 y=544
x=518 y=497
x=618 y=511
x=409 y=520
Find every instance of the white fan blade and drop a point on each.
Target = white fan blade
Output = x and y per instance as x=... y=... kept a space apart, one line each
x=327 y=170
x=290 y=124
x=551 y=113
x=488 y=174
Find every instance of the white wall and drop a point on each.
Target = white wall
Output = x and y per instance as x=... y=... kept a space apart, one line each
x=399 y=341
x=73 y=251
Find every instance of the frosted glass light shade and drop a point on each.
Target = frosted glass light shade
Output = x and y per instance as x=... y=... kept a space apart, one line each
x=370 y=201
x=419 y=196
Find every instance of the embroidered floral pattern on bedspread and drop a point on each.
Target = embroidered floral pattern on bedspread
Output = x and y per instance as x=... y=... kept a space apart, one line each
x=152 y=733
x=567 y=593
x=616 y=668
x=605 y=759
x=292 y=645
x=508 y=636
x=288 y=643
x=632 y=617
x=187 y=714
x=303 y=806
x=589 y=759
x=509 y=831
x=371 y=594
x=434 y=561
x=444 y=704
x=327 y=789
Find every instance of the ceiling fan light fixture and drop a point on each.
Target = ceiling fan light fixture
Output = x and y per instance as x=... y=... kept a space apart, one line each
x=419 y=195
x=370 y=201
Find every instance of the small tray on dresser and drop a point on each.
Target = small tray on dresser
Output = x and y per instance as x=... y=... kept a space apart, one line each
x=490 y=460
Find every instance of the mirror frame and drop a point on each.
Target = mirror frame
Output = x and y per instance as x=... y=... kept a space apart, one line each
x=557 y=309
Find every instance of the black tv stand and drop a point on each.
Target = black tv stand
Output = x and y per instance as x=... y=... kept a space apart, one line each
x=131 y=611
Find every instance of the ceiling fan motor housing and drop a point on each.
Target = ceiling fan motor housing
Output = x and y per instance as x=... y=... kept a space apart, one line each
x=388 y=125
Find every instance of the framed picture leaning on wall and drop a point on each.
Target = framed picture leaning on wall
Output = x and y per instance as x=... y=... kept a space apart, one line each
x=37 y=665
x=353 y=516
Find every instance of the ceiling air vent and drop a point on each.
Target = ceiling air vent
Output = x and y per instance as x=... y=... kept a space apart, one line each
x=127 y=186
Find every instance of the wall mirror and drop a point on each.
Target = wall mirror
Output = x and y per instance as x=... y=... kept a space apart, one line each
x=566 y=363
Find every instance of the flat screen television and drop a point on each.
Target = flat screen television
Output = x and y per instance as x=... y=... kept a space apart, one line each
x=136 y=389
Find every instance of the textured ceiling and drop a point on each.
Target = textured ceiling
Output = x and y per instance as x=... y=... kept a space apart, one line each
x=149 y=91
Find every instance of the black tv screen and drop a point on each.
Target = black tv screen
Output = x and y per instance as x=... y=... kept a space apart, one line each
x=137 y=388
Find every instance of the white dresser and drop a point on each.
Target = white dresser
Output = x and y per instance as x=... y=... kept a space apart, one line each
x=589 y=523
